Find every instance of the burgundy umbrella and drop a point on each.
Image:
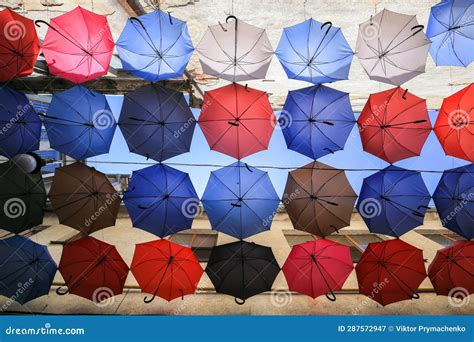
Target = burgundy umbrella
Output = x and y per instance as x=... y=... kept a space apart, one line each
x=319 y=199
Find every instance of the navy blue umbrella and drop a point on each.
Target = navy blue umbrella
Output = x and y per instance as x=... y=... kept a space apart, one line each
x=26 y=269
x=161 y=200
x=316 y=120
x=155 y=46
x=393 y=201
x=454 y=200
x=240 y=200
x=80 y=123
x=20 y=126
x=451 y=31
x=314 y=52
x=157 y=122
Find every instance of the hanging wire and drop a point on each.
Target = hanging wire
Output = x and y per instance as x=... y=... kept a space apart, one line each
x=304 y=8
x=92 y=5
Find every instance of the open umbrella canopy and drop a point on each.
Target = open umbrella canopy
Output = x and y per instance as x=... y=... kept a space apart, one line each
x=80 y=123
x=394 y=125
x=165 y=269
x=393 y=201
x=235 y=51
x=22 y=199
x=454 y=200
x=237 y=120
x=242 y=269
x=240 y=200
x=318 y=267
x=156 y=122
x=454 y=126
x=78 y=45
x=19 y=45
x=161 y=200
x=20 y=126
x=92 y=269
x=155 y=46
x=451 y=31
x=83 y=198
x=319 y=199
x=26 y=269
x=392 y=47
x=390 y=271
x=314 y=52
x=316 y=120
x=452 y=270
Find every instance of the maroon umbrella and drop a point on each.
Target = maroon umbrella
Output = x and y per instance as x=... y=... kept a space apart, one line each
x=452 y=270
x=83 y=198
x=92 y=269
x=390 y=271
x=319 y=199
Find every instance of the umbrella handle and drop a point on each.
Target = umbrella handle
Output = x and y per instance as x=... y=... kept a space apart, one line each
x=329 y=150
x=327 y=23
x=61 y=293
x=331 y=297
x=248 y=167
x=404 y=94
x=170 y=18
x=148 y=301
x=231 y=17
x=418 y=29
x=38 y=22
x=239 y=301
x=415 y=296
x=139 y=21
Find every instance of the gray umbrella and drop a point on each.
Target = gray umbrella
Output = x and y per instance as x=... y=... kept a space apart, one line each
x=235 y=51
x=392 y=47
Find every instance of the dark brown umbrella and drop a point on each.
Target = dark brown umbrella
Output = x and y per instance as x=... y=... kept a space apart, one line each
x=319 y=199
x=83 y=198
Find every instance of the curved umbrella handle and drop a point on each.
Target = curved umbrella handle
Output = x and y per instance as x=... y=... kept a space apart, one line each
x=417 y=213
x=422 y=206
x=418 y=29
x=331 y=296
x=61 y=293
x=231 y=17
x=325 y=24
x=248 y=167
x=335 y=228
x=148 y=301
x=139 y=21
x=170 y=18
x=239 y=301
x=415 y=296
x=404 y=94
x=38 y=22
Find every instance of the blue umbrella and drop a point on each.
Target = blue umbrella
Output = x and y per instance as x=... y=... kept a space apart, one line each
x=393 y=201
x=161 y=200
x=80 y=123
x=155 y=46
x=20 y=126
x=26 y=269
x=314 y=52
x=157 y=122
x=240 y=200
x=454 y=200
x=316 y=120
x=451 y=31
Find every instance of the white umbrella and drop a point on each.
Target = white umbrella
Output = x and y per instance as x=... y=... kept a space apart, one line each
x=392 y=47
x=235 y=51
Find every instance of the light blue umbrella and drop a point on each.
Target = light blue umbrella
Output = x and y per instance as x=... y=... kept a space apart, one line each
x=451 y=31
x=314 y=52
x=155 y=46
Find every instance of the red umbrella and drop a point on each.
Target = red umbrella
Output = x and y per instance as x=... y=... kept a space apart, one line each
x=390 y=271
x=455 y=124
x=452 y=270
x=237 y=120
x=165 y=269
x=19 y=45
x=78 y=45
x=318 y=267
x=394 y=125
x=92 y=269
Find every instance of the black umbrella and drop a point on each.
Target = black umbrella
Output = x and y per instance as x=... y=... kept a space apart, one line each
x=22 y=198
x=242 y=269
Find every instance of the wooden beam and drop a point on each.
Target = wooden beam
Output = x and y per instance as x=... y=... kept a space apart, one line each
x=132 y=7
